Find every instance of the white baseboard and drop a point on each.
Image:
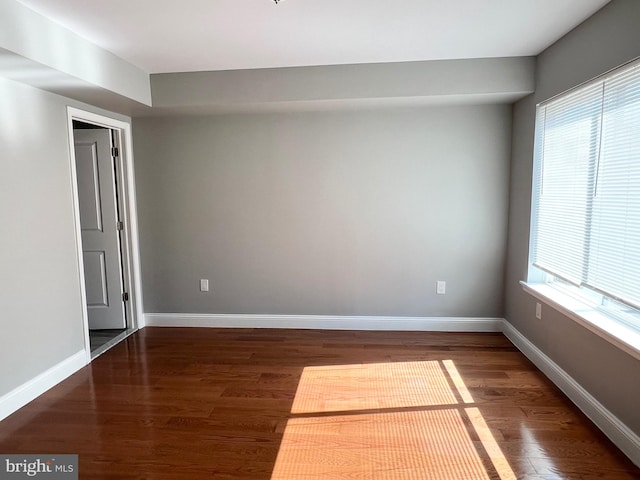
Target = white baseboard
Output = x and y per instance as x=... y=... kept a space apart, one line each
x=623 y=437
x=326 y=322
x=28 y=391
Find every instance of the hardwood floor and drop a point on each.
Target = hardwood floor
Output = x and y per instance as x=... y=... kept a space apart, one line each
x=194 y=403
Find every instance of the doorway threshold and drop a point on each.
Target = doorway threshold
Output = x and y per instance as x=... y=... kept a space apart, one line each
x=95 y=353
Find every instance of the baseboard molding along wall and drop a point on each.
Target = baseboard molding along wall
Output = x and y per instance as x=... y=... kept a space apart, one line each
x=326 y=322
x=623 y=437
x=28 y=391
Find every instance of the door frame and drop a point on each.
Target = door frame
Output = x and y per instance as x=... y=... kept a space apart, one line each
x=129 y=246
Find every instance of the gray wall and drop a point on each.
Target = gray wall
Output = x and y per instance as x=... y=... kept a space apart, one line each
x=341 y=213
x=606 y=40
x=39 y=286
x=497 y=80
x=40 y=304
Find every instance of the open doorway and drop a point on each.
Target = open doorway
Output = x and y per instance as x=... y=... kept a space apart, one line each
x=105 y=225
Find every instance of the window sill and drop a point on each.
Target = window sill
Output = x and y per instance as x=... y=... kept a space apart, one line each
x=616 y=333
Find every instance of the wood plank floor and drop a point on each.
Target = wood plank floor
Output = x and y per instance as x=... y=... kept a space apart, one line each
x=194 y=403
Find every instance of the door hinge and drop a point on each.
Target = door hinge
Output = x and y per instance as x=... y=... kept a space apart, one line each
x=120 y=226
x=114 y=152
x=125 y=297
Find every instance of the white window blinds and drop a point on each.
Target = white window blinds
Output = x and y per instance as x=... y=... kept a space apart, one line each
x=586 y=216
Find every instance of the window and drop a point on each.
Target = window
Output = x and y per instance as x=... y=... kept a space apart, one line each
x=586 y=195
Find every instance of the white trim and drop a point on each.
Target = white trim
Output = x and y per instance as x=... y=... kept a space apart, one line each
x=594 y=320
x=326 y=322
x=30 y=390
x=130 y=245
x=621 y=435
x=132 y=231
x=78 y=236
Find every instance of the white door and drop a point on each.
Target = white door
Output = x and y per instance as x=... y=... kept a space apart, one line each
x=99 y=224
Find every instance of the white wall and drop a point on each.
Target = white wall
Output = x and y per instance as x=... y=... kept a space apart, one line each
x=38 y=51
x=343 y=213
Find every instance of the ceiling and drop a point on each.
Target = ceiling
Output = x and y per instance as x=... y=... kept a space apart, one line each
x=161 y=36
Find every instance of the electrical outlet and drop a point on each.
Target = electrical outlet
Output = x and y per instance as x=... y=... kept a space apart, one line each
x=441 y=287
x=204 y=285
x=538 y=311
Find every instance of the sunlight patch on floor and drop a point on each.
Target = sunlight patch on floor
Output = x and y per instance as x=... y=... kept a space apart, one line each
x=377 y=385
x=387 y=421
x=389 y=446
